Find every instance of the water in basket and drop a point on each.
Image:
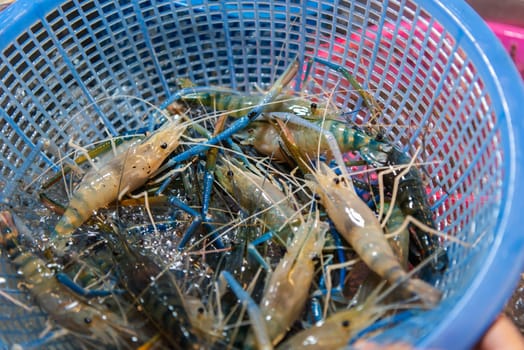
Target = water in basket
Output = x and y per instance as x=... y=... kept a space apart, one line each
x=446 y=85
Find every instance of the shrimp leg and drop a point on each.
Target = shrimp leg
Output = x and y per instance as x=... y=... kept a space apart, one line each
x=325 y=286
x=209 y=177
x=257 y=320
x=197 y=221
x=87 y=293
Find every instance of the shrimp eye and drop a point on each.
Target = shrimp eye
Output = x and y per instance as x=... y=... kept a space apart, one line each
x=317 y=197
x=230 y=173
x=336 y=180
x=346 y=323
x=200 y=310
x=163 y=146
x=87 y=320
x=313 y=105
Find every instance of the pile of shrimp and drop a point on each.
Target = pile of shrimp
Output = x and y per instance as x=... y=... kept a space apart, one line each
x=242 y=221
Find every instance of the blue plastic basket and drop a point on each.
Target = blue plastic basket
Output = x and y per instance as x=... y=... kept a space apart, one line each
x=445 y=81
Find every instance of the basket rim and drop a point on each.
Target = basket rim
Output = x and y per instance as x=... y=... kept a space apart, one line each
x=465 y=324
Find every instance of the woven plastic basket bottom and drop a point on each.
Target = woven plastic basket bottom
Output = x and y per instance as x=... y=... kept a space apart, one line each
x=69 y=66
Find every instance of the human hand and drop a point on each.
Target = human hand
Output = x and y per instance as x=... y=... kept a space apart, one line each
x=502 y=334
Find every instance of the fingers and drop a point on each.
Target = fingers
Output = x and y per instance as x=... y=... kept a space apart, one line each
x=502 y=334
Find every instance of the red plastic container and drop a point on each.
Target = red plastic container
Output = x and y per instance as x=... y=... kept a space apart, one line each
x=512 y=38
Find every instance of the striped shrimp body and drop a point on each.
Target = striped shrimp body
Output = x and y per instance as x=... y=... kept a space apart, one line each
x=66 y=308
x=361 y=229
x=237 y=104
x=400 y=241
x=122 y=174
x=312 y=142
x=267 y=140
x=288 y=287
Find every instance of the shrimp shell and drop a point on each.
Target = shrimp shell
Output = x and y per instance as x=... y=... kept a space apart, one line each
x=257 y=194
x=288 y=287
x=361 y=229
x=119 y=176
x=338 y=329
x=88 y=321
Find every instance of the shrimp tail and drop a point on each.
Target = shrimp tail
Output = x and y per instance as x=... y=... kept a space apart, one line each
x=429 y=295
x=73 y=217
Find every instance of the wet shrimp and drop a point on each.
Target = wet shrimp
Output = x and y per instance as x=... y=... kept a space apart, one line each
x=313 y=141
x=158 y=294
x=87 y=320
x=339 y=328
x=235 y=104
x=257 y=194
x=266 y=138
x=288 y=287
x=119 y=176
x=359 y=226
x=411 y=199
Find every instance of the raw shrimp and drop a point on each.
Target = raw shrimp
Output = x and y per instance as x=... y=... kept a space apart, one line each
x=412 y=201
x=360 y=227
x=313 y=141
x=157 y=292
x=236 y=104
x=338 y=329
x=257 y=194
x=89 y=321
x=287 y=290
x=119 y=176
